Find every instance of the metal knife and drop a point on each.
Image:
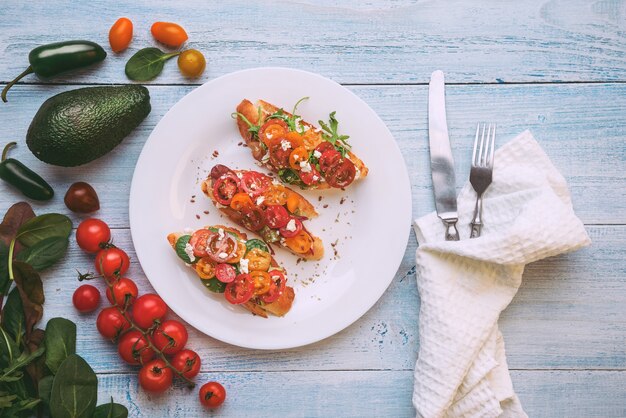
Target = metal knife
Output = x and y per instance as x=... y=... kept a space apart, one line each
x=441 y=162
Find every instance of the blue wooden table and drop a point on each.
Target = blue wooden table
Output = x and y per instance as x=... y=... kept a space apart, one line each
x=556 y=67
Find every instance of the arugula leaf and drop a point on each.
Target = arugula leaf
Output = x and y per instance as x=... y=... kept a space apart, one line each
x=291 y=121
x=330 y=134
x=289 y=176
x=252 y=128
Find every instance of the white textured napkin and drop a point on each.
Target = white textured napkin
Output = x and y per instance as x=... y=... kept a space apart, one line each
x=461 y=369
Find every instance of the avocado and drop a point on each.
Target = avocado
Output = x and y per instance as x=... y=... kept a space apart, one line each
x=79 y=126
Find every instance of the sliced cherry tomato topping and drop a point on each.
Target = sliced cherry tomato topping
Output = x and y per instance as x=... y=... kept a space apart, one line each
x=254 y=183
x=280 y=150
x=310 y=177
x=324 y=146
x=205 y=268
x=253 y=218
x=262 y=282
x=276 y=216
x=295 y=138
x=329 y=159
x=278 y=286
x=293 y=202
x=225 y=273
x=258 y=259
x=276 y=195
x=300 y=243
x=219 y=170
x=240 y=200
x=239 y=290
x=341 y=174
x=273 y=128
x=311 y=138
x=199 y=242
x=225 y=188
x=293 y=228
x=297 y=156
x=221 y=247
x=241 y=251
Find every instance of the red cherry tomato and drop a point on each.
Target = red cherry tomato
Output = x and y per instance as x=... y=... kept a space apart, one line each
x=225 y=273
x=279 y=156
x=219 y=170
x=86 y=298
x=212 y=394
x=112 y=262
x=276 y=216
x=254 y=183
x=169 y=33
x=187 y=362
x=221 y=247
x=278 y=286
x=239 y=290
x=120 y=34
x=91 y=233
x=324 y=146
x=225 y=187
x=170 y=337
x=199 y=242
x=252 y=217
x=296 y=230
x=133 y=348
x=341 y=174
x=329 y=159
x=147 y=309
x=122 y=289
x=310 y=177
x=156 y=377
x=111 y=323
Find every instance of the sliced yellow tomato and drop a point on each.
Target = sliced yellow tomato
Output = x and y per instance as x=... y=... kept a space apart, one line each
x=311 y=139
x=258 y=260
x=262 y=282
x=301 y=243
x=240 y=200
x=293 y=202
x=297 y=156
x=295 y=138
x=241 y=250
x=205 y=267
x=276 y=194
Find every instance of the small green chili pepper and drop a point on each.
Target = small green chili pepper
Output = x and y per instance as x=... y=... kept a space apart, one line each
x=52 y=59
x=23 y=178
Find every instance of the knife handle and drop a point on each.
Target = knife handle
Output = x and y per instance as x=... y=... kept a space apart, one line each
x=452 y=234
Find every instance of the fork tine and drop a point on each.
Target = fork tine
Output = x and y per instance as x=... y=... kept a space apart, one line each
x=485 y=161
x=482 y=146
x=493 y=146
x=475 y=145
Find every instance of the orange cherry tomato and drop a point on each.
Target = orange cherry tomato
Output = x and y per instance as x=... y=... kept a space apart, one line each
x=205 y=267
x=120 y=34
x=293 y=202
x=276 y=195
x=240 y=200
x=273 y=129
x=301 y=243
x=295 y=138
x=191 y=63
x=311 y=139
x=297 y=156
x=241 y=251
x=262 y=282
x=169 y=33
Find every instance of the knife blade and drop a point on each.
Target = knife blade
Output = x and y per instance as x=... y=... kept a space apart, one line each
x=441 y=161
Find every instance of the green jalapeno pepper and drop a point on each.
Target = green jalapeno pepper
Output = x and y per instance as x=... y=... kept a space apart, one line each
x=23 y=178
x=52 y=59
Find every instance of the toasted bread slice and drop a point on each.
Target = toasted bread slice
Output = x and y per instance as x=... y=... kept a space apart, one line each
x=256 y=305
x=254 y=116
x=296 y=207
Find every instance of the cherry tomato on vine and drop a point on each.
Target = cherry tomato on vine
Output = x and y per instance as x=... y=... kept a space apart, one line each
x=112 y=262
x=147 y=309
x=122 y=289
x=156 y=377
x=170 y=337
x=187 y=362
x=111 y=322
x=191 y=63
x=169 y=33
x=133 y=348
x=212 y=394
x=91 y=233
x=120 y=34
x=86 y=298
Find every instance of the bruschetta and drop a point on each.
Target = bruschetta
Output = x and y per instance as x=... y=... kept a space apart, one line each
x=298 y=152
x=262 y=205
x=242 y=269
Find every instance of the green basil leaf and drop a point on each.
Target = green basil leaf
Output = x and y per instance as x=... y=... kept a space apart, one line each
x=30 y=288
x=181 y=243
x=74 y=389
x=44 y=253
x=60 y=342
x=256 y=243
x=44 y=226
x=13 y=319
x=8 y=349
x=111 y=410
x=214 y=285
x=147 y=63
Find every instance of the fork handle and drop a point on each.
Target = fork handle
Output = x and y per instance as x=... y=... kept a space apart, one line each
x=477 y=223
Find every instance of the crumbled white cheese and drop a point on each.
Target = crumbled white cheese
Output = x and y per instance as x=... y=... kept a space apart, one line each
x=357 y=174
x=239 y=174
x=188 y=231
x=276 y=182
x=296 y=157
x=317 y=154
x=269 y=136
x=223 y=255
x=305 y=166
x=266 y=157
x=243 y=265
x=260 y=200
x=220 y=233
x=219 y=205
x=315 y=178
x=189 y=252
x=285 y=145
x=291 y=225
x=305 y=127
x=298 y=121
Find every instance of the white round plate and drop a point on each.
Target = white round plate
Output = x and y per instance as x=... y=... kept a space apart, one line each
x=364 y=228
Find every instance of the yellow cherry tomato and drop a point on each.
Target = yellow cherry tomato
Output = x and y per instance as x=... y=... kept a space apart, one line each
x=301 y=243
x=191 y=63
x=262 y=282
x=241 y=250
x=205 y=267
x=276 y=194
x=258 y=259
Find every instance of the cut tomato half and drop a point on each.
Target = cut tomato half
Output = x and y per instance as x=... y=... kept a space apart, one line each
x=254 y=183
x=225 y=273
x=239 y=290
x=276 y=216
x=291 y=228
x=277 y=287
x=225 y=188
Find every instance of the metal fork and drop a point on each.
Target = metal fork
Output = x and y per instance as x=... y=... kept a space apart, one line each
x=482 y=169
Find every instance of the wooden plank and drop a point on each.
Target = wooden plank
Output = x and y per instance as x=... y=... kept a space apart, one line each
x=351 y=41
x=363 y=394
x=580 y=126
x=569 y=314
